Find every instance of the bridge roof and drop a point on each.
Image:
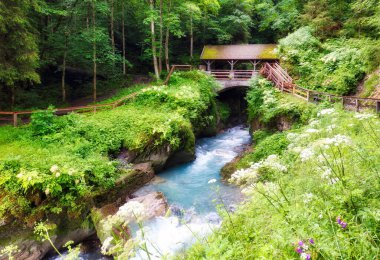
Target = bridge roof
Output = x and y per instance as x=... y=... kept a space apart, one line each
x=239 y=52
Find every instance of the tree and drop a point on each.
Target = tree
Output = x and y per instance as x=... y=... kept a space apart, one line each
x=152 y=17
x=193 y=12
x=18 y=45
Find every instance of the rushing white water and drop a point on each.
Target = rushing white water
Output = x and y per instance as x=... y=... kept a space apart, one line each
x=193 y=190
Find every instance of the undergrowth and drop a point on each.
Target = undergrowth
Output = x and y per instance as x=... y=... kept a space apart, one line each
x=56 y=165
x=312 y=193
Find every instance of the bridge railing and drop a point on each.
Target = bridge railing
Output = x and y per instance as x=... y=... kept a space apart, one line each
x=275 y=73
x=232 y=74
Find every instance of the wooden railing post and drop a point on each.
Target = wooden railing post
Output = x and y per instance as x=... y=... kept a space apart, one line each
x=307 y=95
x=14 y=119
x=357 y=105
x=378 y=107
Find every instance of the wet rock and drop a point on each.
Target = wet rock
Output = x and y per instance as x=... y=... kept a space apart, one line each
x=213 y=218
x=176 y=211
x=110 y=218
x=188 y=215
x=157 y=180
x=155 y=204
x=128 y=182
x=29 y=249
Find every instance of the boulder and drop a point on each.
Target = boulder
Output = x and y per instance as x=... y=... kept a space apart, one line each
x=110 y=218
x=154 y=204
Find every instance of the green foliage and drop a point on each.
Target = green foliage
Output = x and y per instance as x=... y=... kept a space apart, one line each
x=43 y=122
x=58 y=164
x=370 y=84
x=267 y=104
x=335 y=66
x=323 y=186
x=18 y=45
x=273 y=144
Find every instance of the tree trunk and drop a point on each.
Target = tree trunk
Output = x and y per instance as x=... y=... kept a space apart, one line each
x=167 y=62
x=123 y=35
x=112 y=27
x=64 y=72
x=94 y=50
x=191 y=37
x=161 y=39
x=154 y=50
x=13 y=98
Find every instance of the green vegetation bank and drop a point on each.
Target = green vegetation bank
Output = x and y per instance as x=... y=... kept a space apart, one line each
x=312 y=189
x=57 y=168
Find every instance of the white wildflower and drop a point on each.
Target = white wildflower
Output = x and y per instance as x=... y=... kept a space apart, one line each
x=330 y=128
x=312 y=130
x=308 y=197
x=57 y=174
x=326 y=111
x=314 y=123
x=54 y=169
x=326 y=174
x=47 y=191
x=306 y=154
x=364 y=116
x=292 y=136
x=303 y=255
x=320 y=215
x=20 y=175
x=131 y=209
x=106 y=245
x=273 y=162
x=211 y=181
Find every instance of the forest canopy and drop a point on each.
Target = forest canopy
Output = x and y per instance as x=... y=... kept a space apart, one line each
x=65 y=45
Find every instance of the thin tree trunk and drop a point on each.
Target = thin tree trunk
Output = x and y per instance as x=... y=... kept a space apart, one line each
x=154 y=50
x=64 y=72
x=161 y=39
x=94 y=50
x=13 y=97
x=167 y=62
x=191 y=37
x=123 y=35
x=112 y=27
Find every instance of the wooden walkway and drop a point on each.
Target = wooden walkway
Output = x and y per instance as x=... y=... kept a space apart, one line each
x=281 y=79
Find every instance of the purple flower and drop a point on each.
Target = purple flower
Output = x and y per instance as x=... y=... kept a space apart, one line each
x=311 y=241
x=338 y=220
x=300 y=243
x=308 y=257
x=343 y=225
x=299 y=250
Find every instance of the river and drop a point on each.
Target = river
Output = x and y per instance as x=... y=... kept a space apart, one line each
x=192 y=190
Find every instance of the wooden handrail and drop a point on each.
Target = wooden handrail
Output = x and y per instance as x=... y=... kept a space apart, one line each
x=281 y=78
x=94 y=107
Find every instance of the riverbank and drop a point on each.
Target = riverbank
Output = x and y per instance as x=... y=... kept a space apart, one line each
x=314 y=183
x=58 y=168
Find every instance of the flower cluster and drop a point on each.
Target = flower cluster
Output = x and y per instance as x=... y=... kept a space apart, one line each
x=131 y=210
x=303 y=247
x=326 y=111
x=250 y=175
x=341 y=223
x=364 y=116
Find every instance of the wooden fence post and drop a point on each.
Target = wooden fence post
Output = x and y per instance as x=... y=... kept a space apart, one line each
x=378 y=107
x=14 y=119
x=357 y=105
x=307 y=95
